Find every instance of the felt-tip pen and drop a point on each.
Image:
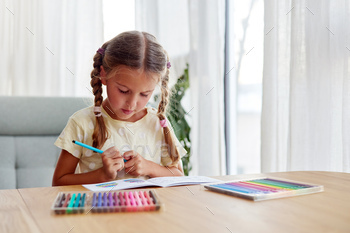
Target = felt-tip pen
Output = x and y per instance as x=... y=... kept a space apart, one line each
x=90 y=147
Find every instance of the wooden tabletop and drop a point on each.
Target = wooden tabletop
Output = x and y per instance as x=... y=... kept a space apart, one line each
x=191 y=209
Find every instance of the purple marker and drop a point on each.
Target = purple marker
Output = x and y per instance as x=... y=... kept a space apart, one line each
x=110 y=197
x=105 y=199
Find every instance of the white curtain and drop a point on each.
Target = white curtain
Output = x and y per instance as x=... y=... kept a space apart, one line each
x=193 y=32
x=47 y=46
x=306 y=86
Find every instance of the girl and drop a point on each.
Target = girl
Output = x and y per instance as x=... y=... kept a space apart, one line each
x=136 y=140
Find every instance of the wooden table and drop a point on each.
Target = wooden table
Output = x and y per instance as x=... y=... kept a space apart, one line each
x=191 y=209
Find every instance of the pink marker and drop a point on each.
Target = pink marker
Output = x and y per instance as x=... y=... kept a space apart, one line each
x=127 y=201
x=144 y=201
x=138 y=201
x=132 y=202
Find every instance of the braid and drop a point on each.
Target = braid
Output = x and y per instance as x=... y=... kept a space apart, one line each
x=100 y=134
x=165 y=94
x=172 y=150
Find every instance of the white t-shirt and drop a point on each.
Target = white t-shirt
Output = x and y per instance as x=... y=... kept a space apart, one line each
x=144 y=136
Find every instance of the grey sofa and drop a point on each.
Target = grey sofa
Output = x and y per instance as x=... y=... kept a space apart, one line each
x=29 y=127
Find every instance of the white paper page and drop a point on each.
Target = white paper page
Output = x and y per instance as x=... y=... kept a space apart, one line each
x=181 y=180
x=159 y=181
x=118 y=185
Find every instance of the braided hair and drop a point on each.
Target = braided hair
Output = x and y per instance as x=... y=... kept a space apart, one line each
x=100 y=133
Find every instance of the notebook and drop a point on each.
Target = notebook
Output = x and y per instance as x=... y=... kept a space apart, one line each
x=158 y=182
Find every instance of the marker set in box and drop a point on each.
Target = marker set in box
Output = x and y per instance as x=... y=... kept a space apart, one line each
x=259 y=189
x=103 y=202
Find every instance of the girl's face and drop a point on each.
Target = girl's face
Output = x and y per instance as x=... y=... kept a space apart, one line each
x=128 y=92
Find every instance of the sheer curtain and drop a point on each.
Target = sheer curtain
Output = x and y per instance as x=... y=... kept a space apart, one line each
x=193 y=31
x=47 y=46
x=306 y=86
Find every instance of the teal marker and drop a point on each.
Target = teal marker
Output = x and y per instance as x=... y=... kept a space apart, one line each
x=71 y=203
x=76 y=204
x=90 y=147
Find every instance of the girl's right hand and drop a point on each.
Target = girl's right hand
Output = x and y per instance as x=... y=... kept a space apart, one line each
x=113 y=162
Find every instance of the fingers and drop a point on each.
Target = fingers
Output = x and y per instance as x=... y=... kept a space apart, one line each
x=112 y=161
x=118 y=166
x=129 y=154
x=131 y=164
x=111 y=152
x=136 y=165
x=130 y=170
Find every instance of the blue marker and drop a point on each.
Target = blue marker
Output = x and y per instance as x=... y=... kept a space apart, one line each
x=83 y=200
x=99 y=200
x=90 y=147
x=93 y=200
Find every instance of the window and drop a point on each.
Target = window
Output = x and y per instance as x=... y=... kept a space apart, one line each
x=248 y=31
x=248 y=35
x=118 y=16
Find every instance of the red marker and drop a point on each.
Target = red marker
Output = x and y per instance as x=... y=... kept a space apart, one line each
x=144 y=201
x=149 y=200
x=65 y=204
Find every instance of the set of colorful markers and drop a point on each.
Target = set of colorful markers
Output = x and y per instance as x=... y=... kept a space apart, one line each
x=98 y=202
x=264 y=188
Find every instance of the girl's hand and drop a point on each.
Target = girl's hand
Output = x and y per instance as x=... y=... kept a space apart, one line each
x=113 y=162
x=136 y=165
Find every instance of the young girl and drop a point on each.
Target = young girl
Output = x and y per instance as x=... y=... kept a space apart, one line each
x=136 y=140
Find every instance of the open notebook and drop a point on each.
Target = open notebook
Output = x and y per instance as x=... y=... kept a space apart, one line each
x=158 y=182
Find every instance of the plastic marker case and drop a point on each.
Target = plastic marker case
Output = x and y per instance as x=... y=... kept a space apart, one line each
x=259 y=189
x=105 y=202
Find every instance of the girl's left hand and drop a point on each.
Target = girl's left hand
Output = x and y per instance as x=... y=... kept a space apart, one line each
x=136 y=165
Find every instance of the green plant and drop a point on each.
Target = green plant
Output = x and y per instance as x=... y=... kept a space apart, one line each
x=176 y=115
